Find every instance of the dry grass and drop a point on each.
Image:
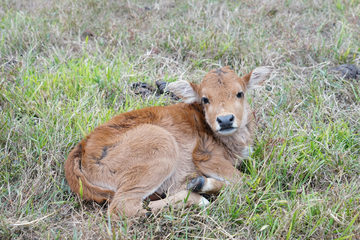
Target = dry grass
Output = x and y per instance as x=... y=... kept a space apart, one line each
x=65 y=67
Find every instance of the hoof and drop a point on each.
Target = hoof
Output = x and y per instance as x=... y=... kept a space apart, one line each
x=196 y=184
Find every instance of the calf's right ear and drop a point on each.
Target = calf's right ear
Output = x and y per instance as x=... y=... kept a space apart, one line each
x=185 y=90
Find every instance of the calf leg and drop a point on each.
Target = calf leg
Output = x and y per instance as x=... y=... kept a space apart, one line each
x=219 y=169
x=144 y=162
x=178 y=200
x=129 y=204
x=139 y=182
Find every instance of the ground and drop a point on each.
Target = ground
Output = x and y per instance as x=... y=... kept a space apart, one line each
x=67 y=66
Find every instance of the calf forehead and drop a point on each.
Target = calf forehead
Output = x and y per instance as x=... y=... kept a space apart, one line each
x=222 y=80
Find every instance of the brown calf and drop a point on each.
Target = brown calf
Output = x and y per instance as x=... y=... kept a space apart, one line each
x=159 y=149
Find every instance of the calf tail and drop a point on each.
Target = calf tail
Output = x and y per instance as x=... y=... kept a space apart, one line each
x=77 y=180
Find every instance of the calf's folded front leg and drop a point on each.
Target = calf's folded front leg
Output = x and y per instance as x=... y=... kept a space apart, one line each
x=219 y=172
x=178 y=199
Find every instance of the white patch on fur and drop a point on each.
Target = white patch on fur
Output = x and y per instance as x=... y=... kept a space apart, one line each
x=183 y=90
x=207 y=186
x=258 y=76
x=203 y=202
x=246 y=152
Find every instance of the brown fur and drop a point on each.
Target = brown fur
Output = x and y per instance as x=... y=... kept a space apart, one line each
x=157 y=149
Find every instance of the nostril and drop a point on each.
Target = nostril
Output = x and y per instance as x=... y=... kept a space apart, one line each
x=232 y=118
x=218 y=120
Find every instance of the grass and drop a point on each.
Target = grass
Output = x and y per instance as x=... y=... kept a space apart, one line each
x=66 y=66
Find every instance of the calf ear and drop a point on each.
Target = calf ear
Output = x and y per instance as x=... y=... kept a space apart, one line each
x=257 y=77
x=185 y=90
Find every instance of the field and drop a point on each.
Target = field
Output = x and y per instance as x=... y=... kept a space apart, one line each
x=67 y=66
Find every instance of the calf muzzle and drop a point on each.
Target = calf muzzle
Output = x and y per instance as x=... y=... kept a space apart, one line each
x=226 y=122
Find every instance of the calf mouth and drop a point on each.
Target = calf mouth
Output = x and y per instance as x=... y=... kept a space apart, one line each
x=227 y=131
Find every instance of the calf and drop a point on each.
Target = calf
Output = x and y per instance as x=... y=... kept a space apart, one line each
x=191 y=145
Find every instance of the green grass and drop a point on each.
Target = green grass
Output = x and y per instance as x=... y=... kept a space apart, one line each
x=57 y=85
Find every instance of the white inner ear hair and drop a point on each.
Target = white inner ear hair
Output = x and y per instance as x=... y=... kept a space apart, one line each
x=258 y=76
x=183 y=90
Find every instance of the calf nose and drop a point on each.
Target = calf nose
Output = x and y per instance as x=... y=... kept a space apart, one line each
x=226 y=121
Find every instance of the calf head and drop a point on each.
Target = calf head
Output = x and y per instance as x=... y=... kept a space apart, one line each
x=222 y=94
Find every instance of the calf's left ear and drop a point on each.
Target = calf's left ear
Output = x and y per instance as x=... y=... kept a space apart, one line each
x=185 y=90
x=257 y=77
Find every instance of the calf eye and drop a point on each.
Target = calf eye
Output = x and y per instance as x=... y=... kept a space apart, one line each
x=240 y=95
x=205 y=100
